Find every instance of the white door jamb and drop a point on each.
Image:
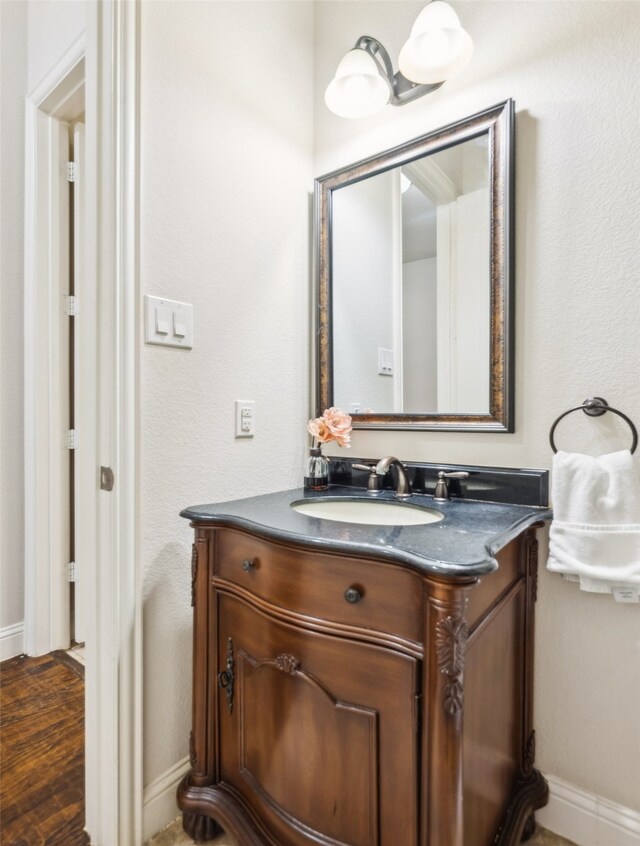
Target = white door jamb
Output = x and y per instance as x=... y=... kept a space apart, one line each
x=110 y=311
x=114 y=799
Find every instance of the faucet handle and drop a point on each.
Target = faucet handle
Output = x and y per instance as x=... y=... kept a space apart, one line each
x=441 y=493
x=373 y=485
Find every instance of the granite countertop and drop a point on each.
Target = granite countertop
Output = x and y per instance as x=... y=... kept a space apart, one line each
x=464 y=543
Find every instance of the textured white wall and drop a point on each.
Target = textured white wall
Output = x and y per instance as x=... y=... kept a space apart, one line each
x=573 y=70
x=226 y=167
x=13 y=81
x=53 y=26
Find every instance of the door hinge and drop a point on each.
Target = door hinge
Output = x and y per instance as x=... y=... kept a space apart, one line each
x=72 y=172
x=71 y=305
x=71 y=439
x=72 y=571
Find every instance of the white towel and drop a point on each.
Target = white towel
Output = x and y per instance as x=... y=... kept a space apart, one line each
x=595 y=533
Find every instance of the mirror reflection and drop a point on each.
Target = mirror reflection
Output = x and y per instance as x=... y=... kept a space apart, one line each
x=414 y=262
x=411 y=286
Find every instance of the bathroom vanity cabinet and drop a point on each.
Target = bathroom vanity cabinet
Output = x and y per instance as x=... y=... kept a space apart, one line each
x=341 y=698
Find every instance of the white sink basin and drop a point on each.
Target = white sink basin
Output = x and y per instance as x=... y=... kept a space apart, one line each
x=374 y=513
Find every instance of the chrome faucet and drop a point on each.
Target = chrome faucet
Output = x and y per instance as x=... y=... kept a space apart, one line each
x=403 y=485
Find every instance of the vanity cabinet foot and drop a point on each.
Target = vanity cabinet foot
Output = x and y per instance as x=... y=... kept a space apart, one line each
x=401 y=719
x=529 y=828
x=519 y=823
x=200 y=828
x=219 y=811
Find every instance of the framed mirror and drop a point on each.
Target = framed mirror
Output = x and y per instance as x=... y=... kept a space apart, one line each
x=414 y=263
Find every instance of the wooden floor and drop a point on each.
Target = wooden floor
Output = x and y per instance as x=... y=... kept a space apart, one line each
x=42 y=751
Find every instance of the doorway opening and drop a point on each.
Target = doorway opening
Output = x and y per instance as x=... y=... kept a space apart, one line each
x=77 y=569
x=54 y=240
x=58 y=491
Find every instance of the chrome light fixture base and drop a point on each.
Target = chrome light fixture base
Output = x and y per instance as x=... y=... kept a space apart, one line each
x=403 y=90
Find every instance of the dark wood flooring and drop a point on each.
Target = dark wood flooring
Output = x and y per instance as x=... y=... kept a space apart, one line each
x=42 y=751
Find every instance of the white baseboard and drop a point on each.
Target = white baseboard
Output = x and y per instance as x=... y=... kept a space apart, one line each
x=587 y=819
x=160 y=806
x=11 y=641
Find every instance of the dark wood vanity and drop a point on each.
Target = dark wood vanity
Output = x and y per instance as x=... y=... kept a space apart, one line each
x=347 y=700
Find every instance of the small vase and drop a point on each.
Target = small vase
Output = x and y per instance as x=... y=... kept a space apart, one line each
x=316 y=471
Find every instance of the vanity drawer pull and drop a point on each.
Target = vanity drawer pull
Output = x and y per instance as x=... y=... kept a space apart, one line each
x=248 y=564
x=352 y=595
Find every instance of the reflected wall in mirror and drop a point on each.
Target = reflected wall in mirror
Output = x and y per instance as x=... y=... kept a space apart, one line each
x=415 y=277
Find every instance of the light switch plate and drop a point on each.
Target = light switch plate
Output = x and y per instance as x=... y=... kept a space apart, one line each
x=161 y=313
x=385 y=362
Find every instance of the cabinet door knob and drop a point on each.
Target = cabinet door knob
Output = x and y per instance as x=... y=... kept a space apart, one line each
x=352 y=595
x=248 y=565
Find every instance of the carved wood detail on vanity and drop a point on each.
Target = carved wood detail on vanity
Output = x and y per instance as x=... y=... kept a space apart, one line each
x=287 y=663
x=388 y=722
x=451 y=643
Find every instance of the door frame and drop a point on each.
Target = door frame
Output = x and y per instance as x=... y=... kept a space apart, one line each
x=109 y=425
x=46 y=507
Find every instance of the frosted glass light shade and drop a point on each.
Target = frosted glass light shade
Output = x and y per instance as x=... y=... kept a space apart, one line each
x=357 y=90
x=437 y=48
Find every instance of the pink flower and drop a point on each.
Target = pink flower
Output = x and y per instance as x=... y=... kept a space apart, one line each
x=319 y=430
x=334 y=425
x=339 y=423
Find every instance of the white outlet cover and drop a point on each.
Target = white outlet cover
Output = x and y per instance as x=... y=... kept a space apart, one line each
x=245 y=418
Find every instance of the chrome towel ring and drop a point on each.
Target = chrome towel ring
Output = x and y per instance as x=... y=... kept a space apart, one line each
x=595 y=407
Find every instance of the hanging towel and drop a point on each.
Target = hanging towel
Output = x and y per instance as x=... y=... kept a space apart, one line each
x=595 y=533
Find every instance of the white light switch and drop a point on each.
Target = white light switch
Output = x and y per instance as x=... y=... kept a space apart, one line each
x=168 y=323
x=179 y=324
x=162 y=320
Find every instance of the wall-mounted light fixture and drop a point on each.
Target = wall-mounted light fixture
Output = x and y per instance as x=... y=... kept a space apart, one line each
x=437 y=48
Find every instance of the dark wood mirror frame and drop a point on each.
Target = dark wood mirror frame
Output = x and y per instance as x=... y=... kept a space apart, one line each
x=498 y=123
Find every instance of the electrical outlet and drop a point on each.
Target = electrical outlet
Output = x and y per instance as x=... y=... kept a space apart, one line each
x=245 y=418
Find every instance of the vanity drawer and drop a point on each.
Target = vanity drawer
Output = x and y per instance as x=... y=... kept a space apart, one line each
x=314 y=584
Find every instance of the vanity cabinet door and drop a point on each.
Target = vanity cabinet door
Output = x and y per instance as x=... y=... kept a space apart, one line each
x=317 y=734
